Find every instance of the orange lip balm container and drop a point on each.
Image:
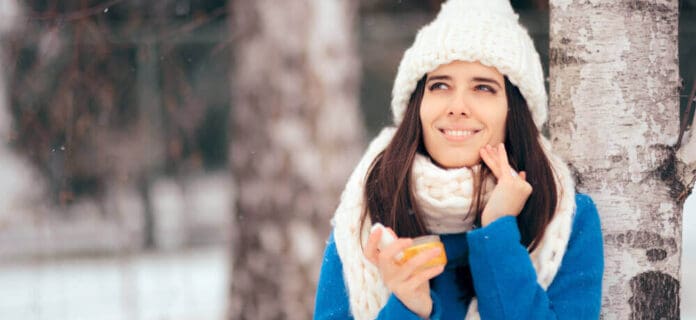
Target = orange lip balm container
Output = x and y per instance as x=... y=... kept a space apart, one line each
x=426 y=243
x=420 y=244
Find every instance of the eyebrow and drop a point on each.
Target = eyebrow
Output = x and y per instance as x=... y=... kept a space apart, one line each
x=476 y=79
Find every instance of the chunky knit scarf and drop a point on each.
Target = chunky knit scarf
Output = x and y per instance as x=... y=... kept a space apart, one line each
x=444 y=196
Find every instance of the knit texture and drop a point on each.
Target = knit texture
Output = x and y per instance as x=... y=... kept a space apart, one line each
x=445 y=196
x=366 y=290
x=485 y=31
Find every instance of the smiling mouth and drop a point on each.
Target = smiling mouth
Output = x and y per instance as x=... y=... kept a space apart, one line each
x=458 y=134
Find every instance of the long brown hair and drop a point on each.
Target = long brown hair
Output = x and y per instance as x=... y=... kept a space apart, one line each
x=388 y=194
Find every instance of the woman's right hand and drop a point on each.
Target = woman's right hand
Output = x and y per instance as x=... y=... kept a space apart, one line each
x=408 y=281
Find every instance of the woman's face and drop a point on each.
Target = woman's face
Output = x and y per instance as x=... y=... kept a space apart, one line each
x=464 y=108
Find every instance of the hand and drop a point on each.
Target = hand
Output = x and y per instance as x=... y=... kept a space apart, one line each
x=407 y=281
x=511 y=191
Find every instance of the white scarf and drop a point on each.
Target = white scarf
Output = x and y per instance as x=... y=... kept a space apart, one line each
x=445 y=196
x=444 y=214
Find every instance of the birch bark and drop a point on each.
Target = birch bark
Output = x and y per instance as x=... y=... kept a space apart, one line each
x=614 y=114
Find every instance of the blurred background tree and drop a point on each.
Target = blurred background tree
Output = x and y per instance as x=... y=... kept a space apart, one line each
x=297 y=132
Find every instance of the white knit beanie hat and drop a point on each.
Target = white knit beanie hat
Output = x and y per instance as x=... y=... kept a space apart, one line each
x=486 y=31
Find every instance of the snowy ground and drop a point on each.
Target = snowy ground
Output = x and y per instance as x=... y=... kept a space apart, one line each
x=82 y=264
x=161 y=286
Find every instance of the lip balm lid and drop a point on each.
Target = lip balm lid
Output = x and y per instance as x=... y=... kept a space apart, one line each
x=386 y=239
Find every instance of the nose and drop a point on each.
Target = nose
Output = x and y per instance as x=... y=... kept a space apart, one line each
x=459 y=106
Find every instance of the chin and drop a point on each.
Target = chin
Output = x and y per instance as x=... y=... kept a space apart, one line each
x=456 y=163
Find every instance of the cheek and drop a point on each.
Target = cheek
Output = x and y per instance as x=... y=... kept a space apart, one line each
x=501 y=127
x=426 y=114
x=497 y=125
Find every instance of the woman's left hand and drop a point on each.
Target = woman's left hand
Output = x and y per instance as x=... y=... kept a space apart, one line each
x=512 y=189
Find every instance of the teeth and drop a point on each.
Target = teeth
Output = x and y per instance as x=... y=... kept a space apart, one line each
x=459 y=133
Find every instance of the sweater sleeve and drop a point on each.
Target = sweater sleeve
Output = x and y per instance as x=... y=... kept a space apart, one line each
x=332 y=300
x=506 y=283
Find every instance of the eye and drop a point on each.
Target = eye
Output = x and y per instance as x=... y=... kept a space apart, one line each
x=438 y=86
x=485 y=87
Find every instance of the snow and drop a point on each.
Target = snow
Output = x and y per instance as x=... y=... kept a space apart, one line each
x=145 y=286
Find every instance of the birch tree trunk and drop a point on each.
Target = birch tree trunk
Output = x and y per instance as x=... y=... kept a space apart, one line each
x=297 y=133
x=614 y=115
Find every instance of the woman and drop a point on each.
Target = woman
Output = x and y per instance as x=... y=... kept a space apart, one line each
x=466 y=162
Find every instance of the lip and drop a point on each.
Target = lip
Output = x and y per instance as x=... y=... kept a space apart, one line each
x=458 y=134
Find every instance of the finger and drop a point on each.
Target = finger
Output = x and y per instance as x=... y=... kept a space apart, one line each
x=414 y=265
x=388 y=255
x=493 y=152
x=389 y=261
x=489 y=160
x=371 y=249
x=419 y=260
x=423 y=276
x=502 y=156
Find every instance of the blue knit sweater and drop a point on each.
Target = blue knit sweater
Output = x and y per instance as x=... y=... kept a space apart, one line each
x=504 y=278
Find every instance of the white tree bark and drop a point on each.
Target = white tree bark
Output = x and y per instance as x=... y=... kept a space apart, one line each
x=297 y=132
x=614 y=114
